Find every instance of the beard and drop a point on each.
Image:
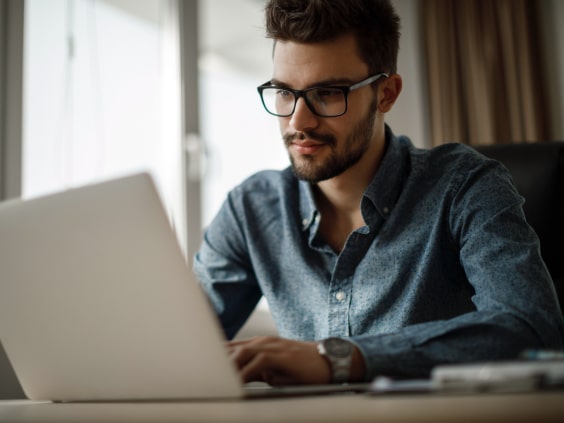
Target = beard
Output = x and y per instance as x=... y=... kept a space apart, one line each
x=355 y=145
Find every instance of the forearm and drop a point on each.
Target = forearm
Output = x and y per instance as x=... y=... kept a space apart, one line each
x=414 y=350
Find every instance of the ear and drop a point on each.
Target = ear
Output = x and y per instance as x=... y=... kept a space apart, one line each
x=390 y=89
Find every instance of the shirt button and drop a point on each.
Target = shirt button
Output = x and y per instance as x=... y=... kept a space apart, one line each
x=386 y=210
x=340 y=296
x=305 y=222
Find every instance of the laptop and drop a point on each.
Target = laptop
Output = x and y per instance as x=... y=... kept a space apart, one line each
x=97 y=302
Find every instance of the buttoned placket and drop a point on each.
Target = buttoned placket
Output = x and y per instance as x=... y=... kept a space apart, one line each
x=340 y=295
x=340 y=290
x=342 y=281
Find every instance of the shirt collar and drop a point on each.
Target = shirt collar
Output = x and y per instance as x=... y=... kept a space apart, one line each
x=308 y=209
x=385 y=188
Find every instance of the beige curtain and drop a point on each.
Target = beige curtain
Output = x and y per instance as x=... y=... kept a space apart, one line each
x=484 y=74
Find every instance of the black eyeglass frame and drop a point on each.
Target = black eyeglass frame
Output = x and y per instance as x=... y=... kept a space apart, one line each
x=346 y=89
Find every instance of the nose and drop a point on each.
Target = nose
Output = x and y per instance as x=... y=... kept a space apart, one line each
x=303 y=119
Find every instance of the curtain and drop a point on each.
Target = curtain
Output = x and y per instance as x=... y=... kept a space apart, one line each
x=483 y=69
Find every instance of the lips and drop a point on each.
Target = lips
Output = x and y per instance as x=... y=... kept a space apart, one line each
x=306 y=147
x=308 y=143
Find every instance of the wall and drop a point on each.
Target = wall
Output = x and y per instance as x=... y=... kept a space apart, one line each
x=551 y=18
x=409 y=115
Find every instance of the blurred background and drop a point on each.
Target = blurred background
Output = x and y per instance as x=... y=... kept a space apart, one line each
x=93 y=89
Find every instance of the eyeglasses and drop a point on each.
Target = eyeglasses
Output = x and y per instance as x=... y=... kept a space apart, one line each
x=323 y=101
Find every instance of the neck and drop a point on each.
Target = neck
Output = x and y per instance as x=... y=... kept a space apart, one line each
x=343 y=193
x=338 y=199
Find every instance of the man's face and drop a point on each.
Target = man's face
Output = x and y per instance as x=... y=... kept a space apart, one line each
x=321 y=148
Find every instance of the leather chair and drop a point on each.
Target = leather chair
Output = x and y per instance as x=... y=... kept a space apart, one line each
x=538 y=173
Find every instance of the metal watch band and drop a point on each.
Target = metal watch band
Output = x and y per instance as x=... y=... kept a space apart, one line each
x=338 y=353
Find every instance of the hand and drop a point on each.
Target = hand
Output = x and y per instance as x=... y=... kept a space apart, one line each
x=279 y=361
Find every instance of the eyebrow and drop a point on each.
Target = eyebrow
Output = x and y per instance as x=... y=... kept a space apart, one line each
x=324 y=83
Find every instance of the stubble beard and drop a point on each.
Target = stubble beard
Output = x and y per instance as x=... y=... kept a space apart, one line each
x=307 y=167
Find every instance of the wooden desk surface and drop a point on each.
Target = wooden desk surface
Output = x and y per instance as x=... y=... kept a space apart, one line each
x=533 y=407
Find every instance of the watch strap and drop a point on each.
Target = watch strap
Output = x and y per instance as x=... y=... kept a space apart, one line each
x=338 y=353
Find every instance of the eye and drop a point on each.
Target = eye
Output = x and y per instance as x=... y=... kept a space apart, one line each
x=327 y=93
x=326 y=96
x=280 y=92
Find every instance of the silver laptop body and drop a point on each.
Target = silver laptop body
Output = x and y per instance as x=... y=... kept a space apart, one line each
x=97 y=301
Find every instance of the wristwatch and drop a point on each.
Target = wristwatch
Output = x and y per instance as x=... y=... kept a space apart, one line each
x=338 y=353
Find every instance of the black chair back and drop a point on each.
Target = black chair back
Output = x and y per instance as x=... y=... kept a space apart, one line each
x=538 y=173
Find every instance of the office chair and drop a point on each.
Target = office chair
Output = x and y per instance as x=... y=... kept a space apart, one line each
x=538 y=173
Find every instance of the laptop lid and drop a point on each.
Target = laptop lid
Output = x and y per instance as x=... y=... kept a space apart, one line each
x=97 y=302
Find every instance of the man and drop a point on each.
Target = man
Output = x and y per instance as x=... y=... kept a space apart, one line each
x=376 y=258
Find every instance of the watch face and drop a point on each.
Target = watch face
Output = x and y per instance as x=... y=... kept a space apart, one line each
x=338 y=347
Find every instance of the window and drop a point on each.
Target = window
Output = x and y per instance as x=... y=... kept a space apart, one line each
x=102 y=95
x=240 y=137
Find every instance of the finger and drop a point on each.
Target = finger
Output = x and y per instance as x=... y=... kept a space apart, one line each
x=271 y=364
x=256 y=340
x=279 y=361
x=240 y=355
x=272 y=369
x=252 y=345
x=259 y=367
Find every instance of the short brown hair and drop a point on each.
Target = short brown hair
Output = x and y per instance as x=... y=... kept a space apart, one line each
x=374 y=23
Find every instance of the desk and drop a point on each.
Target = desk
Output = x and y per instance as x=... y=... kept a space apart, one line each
x=531 y=407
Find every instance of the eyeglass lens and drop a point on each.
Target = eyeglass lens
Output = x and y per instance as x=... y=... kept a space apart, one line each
x=322 y=101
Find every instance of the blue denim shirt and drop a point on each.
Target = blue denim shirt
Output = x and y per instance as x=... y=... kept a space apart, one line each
x=445 y=270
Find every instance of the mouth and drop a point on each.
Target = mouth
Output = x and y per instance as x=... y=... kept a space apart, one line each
x=309 y=144
x=306 y=147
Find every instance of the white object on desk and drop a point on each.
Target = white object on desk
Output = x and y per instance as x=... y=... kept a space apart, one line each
x=508 y=376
